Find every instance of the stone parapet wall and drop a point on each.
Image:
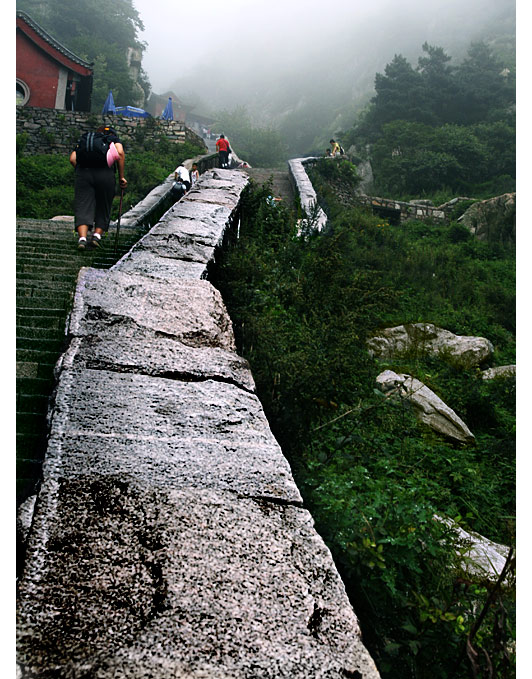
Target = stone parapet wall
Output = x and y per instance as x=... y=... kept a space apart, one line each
x=57 y=131
x=168 y=537
x=405 y=211
x=315 y=217
x=399 y=210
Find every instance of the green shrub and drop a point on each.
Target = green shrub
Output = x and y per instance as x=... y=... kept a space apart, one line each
x=371 y=475
x=45 y=183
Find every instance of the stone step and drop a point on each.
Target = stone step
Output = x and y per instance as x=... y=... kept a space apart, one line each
x=36 y=343
x=36 y=312
x=35 y=369
x=31 y=422
x=23 y=282
x=46 y=275
x=54 y=322
x=31 y=332
x=38 y=299
x=32 y=406
x=36 y=356
x=34 y=385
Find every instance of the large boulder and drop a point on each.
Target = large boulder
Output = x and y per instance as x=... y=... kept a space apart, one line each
x=427 y=339
x=428 y=407
x=500 y=372
x=493 y=219
x=481 y=558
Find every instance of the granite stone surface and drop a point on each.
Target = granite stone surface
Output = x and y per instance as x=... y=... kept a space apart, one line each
x=169 y=539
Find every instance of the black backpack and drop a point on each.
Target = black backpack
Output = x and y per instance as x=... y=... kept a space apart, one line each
x=92 y=148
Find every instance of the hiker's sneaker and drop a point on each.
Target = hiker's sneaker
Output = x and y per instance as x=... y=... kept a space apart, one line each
x=82 y=243
x=96 y=243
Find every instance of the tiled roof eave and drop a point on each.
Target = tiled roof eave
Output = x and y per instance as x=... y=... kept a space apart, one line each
x=52 y=41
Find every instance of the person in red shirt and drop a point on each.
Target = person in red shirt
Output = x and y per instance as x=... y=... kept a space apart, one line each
x=222 y=146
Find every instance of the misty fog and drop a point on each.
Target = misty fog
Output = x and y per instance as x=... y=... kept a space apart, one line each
x=277 y=56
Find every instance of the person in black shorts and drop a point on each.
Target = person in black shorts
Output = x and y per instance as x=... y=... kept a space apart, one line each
x=94 y=190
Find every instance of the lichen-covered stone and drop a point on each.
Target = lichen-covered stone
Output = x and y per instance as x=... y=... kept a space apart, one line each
x=428 y=407
x=426 y=338
x=187 y=582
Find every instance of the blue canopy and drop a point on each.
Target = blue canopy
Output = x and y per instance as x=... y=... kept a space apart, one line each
x=168 y=113
x=109 y=106
x=131 y=112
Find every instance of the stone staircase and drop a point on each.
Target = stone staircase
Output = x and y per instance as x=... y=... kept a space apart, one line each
x=281 y=186
x=47 y=268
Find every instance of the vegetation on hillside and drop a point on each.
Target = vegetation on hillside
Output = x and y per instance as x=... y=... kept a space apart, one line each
x=437 y=127
x=259 y=146
x=372 y=477
x=45 y=183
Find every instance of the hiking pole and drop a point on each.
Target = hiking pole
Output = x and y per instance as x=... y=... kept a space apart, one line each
x=119 y=217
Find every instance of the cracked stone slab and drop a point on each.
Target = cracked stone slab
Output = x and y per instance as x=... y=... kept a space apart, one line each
x=191 y=311
x=176 y=246
x=181 y=583
x=125 y=347
x=245 y=469
x=225 y=178
x=154 y=265
x=140 y=406
x=208 y=213
x=218 y=196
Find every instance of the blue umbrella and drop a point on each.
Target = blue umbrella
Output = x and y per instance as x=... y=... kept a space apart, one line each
x=131 y=112
x=168 y=113
x=109 y=106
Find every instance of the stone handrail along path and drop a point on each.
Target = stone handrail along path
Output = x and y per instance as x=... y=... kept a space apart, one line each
x=395 y=210
x=169 y=539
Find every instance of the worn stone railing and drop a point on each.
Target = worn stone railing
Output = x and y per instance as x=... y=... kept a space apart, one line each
x=150 y=208
x=315 y=216
x=47 y=130
x=168 y=538
x=148 y=211
x=394 y=210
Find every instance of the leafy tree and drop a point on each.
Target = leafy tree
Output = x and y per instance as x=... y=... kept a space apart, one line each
x=399 y=94
x=439 y=90
x=486 y=87
x=260 y=146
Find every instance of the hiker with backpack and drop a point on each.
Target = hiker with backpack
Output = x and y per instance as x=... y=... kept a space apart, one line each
x=94 y=160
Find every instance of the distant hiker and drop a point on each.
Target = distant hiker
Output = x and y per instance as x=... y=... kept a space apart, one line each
x=335 y=148
x=328 y=152
x=222 y=145
x=181 y=174
x=194 y=175
x=181 y=183
x=94 y=160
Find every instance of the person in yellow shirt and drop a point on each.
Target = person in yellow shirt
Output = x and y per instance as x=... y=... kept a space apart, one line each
x=335 y=148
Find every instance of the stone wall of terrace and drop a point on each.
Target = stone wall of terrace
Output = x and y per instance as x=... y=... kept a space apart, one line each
x=47 y=130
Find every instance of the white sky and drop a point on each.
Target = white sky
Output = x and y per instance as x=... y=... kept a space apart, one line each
x=181 y=35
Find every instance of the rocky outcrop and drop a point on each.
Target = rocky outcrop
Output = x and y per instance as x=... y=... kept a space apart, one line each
x=480 y=557
x=493 y=219
x=428 y=339
x=428 y=407
x=169 y=538
x=500 y=372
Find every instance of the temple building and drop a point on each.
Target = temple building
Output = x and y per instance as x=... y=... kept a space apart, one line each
x=48 y=74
